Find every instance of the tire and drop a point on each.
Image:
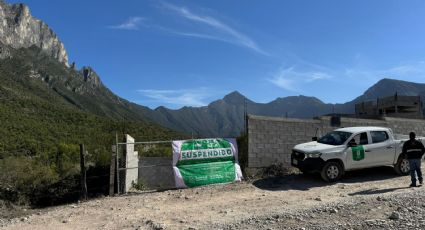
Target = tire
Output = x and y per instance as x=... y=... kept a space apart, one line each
x=332 y=171
x=402 y=166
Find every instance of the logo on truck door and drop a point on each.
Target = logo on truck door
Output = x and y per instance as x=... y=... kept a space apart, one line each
x=358 y=153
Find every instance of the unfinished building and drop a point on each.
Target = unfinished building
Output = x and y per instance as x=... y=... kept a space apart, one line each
x=392 y=106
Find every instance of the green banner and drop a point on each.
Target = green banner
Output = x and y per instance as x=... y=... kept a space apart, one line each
x=358 y=153
x=205 y=161
x=208 y=173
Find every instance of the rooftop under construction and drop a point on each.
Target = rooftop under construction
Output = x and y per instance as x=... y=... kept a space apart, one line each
x=392 y=106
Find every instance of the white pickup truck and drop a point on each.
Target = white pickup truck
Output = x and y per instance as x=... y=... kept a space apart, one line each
x=351 y=148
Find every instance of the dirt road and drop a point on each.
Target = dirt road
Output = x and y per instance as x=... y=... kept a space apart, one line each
x=252 y=205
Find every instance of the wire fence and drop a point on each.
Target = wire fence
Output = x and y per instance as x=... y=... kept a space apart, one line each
x=66 y=189
x=68 y=184
x=133 y=173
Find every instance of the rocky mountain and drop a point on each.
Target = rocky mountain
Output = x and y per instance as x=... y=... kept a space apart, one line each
x=18 y=29
x=36 y=58
x=383 y=88
x=35 y=61
x=45 y=103
x=47 y=109
x=80 y=89
x=225 y=117
x=388 y=87
x=84 y=90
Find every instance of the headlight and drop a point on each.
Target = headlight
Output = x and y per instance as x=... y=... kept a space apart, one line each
x=314 y=155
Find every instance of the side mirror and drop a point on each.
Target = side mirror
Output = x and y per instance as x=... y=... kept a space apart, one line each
x=314 y=138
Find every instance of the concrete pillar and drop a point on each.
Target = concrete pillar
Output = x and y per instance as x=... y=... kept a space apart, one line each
x=131 y=164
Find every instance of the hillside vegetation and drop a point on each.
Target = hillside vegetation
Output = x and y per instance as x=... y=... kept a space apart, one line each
x=46 y=111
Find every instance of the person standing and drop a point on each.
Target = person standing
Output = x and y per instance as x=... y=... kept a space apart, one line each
x=414 y=150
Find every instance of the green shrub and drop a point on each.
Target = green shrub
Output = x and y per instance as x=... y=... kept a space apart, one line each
x=155 y=150
x=42 y=123
x=22 y=178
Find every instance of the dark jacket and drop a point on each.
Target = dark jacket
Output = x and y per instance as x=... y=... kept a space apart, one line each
x=413 y=149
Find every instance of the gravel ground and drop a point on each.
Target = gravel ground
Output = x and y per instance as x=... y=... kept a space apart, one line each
x=10 y=211
x=394 y=211
x=365 y=199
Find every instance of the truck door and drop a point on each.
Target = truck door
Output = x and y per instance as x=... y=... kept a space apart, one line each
x=382 y=148
x=357 y=154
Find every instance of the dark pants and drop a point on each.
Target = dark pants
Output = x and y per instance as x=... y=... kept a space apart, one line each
x=415 y=166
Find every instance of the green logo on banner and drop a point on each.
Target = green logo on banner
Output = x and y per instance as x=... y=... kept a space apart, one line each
x=358 y=153
x=206 y=161
x=205 y=144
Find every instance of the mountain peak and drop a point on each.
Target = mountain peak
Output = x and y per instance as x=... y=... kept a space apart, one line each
x=389 y=81
x=388 y=87
x=90 y=76
x=298 y=99
x=234 y=98
x=19 y=29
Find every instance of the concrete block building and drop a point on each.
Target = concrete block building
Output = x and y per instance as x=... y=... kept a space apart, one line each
x=392 y=106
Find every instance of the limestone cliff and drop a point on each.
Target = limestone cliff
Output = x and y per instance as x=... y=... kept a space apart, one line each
x=18 y=29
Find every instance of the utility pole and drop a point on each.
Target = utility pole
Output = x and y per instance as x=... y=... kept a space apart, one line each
x=117 y=165
x=245 y=115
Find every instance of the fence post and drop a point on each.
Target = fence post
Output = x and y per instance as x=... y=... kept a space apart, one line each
x=112 y=171
x=83 y=172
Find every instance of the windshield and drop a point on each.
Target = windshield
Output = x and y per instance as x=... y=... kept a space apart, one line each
x=335 y=138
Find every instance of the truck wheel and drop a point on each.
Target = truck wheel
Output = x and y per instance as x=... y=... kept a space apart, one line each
x=402 y=166
x=332 y=171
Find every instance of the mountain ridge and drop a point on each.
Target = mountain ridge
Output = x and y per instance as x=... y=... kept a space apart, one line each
x=225 y=116
x=19 y=29
x=84 y=90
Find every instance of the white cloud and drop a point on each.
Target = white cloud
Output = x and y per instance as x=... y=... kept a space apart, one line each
x=184 y=97
x=132 y=23
x=218 y=30
x=415 y=68
x=201 y=26
x=315 y=76
x=293 y=80
x=281 y=80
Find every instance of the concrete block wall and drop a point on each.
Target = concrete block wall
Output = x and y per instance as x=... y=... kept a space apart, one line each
x=405 y=126
x=156 y=172
x=271 y=139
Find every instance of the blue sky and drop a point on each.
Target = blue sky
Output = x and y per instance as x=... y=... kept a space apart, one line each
x=189 y=53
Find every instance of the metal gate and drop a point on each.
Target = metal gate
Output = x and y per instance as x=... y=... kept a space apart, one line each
x=141 y=165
